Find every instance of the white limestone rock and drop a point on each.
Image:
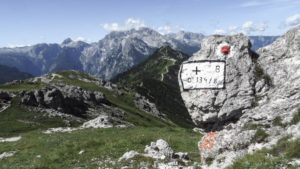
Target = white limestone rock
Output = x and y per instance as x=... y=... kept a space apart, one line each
x=207 y=106
x=159 y=150
x=128 y=155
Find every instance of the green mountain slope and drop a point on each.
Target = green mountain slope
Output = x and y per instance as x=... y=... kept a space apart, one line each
x=12 y=119
x=100 y=146
x=156 y=79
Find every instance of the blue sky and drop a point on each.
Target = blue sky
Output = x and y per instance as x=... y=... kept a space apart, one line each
x=25 y=22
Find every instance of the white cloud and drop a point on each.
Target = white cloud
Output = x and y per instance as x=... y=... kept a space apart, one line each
x=269 y=3
x=130 y=23
x=293 y=20
x=233 y=30
x=247 y=28
x=253 y=3
x=80 y=39
x=165 y=29
x=168 y=28
x=16 y=45
x=220 y=32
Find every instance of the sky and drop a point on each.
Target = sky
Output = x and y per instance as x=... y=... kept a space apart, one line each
x=27 y=22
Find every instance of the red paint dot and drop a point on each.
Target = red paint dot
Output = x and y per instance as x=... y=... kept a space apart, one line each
x=225 y=50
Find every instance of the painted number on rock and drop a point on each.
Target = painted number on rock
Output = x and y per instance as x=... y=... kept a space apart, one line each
x=203 y=75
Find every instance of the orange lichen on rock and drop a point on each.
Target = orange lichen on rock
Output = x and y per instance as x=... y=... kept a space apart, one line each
x=208 y=141
x=206 y=144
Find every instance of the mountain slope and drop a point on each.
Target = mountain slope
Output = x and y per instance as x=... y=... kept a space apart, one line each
x=44 y=58
x=8 y=74
x=156 y=79
x=261 y=41
x=120 y=51
x=32 y=117
x=114 y=54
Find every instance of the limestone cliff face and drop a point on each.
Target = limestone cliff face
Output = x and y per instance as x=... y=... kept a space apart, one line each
x=281 y=61
x=262 y=94
x=216 y=106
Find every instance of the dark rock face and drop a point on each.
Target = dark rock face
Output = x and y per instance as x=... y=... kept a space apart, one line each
x=4 y=96
x=144 y=104
x=29 y=99
x=66 y=99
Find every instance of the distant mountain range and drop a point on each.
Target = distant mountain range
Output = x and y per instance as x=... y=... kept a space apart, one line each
x=261 y=41
x=8 y=74
x=114 y=54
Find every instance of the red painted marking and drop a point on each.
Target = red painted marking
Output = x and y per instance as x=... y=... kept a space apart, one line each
x=225 y=50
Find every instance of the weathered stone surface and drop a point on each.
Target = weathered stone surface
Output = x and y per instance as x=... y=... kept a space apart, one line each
x=277 y=100
x=164 y=156
x=159 y=149
x=128 y=155
x=144 y=104
x=64 y=98
x=216 y=106
x=281 y=62
x=215 y=143
x=28 y=98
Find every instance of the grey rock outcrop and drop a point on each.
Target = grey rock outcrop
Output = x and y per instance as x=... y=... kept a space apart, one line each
x=281 y=61
x=159 y=150
x=5 y=100
x=128 y=155
x=276 y=95
x=163 y=154
x=142 y=103
x=65 y=98
x=217 y=106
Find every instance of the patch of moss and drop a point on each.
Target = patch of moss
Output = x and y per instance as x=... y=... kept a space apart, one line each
x=278 y=122
x=260 y=74
x=209 y=161
x=289 y=148
x=258 y=161
x=284 y=151
x=252 y=126
x=296 y=117
x=260 y=136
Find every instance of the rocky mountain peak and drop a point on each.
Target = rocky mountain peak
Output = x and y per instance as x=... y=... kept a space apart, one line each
x=66 y=41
